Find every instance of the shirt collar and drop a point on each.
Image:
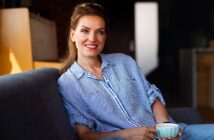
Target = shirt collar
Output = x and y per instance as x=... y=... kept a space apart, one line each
x=78 y=71
x=105 y=62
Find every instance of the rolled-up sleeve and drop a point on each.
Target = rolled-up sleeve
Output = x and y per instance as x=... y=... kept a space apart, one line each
x=151 y=90
x=154 y=93
x=75 y=117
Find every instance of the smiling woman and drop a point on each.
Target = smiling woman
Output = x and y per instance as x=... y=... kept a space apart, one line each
x=89 y=36
x=98 y=27
x=107 y=95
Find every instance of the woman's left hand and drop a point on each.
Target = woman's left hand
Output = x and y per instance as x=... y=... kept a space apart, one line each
x=176 y=138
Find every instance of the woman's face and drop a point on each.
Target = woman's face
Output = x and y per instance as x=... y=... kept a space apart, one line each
x=89 y=36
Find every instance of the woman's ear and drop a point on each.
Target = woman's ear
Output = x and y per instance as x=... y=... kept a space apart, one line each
x=72 y=35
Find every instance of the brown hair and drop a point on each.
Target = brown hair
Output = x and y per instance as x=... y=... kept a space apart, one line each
x=79 y=11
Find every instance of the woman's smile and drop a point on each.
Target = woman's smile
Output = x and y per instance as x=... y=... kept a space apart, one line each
x=91 y=46
x=89 y=36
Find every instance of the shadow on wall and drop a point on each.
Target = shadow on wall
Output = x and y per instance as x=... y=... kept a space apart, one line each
x=5 y=63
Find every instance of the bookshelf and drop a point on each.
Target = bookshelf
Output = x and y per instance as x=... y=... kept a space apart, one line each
x=196 y=70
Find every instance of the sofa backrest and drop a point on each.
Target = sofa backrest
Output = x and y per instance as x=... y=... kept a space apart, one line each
x=31 y=107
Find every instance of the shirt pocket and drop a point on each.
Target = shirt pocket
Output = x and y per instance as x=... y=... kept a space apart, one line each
x=127 y=85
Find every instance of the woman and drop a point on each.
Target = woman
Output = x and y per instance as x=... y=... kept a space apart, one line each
x=107 y=95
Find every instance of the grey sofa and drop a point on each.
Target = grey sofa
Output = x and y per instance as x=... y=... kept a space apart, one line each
x=31 y=108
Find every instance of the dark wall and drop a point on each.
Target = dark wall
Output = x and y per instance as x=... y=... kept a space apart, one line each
x=120 y=14
x=182 y=23
x=180 y=20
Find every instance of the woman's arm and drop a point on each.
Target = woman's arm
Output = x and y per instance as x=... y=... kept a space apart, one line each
x=160 y=112
x=147 y=133
x=161 y=115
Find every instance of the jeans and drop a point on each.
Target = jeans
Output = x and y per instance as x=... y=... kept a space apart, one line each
x=199 y=132
x=190 y=132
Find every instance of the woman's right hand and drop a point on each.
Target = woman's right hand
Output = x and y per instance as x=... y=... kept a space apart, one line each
x=141 y=133
x=138 y=133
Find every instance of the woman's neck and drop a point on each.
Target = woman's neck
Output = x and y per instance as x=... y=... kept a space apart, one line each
x=89 y=63
x=92 y=65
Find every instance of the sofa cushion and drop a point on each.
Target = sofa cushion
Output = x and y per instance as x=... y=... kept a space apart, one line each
x=186 y=115
x=31 y=107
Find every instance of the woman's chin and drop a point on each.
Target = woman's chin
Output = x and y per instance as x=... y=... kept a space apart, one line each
x=92 y=55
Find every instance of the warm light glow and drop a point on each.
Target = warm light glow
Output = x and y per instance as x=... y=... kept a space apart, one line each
x=15 y=68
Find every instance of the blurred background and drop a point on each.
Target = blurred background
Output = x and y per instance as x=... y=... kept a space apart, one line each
x=185 y=71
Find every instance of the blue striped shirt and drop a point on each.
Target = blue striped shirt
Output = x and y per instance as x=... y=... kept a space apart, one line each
x=123 y=99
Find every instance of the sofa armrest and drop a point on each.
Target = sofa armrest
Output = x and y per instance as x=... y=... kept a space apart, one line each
x=31 y=107
x=185 y=115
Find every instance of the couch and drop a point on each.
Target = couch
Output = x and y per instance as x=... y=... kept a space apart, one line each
x=31 y=108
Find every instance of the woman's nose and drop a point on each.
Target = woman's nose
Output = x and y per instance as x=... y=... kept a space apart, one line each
x=92 y=37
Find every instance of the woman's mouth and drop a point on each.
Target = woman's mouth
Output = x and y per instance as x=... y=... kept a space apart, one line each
x=91 y=46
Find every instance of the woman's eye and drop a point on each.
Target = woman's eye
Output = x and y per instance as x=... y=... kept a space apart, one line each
x=84 y=31
x=101 y=32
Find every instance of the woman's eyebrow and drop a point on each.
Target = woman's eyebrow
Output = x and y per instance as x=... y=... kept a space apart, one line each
x=85 y=27
x=102 y=28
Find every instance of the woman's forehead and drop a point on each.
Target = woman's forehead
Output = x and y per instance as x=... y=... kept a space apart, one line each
x=91 y=21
